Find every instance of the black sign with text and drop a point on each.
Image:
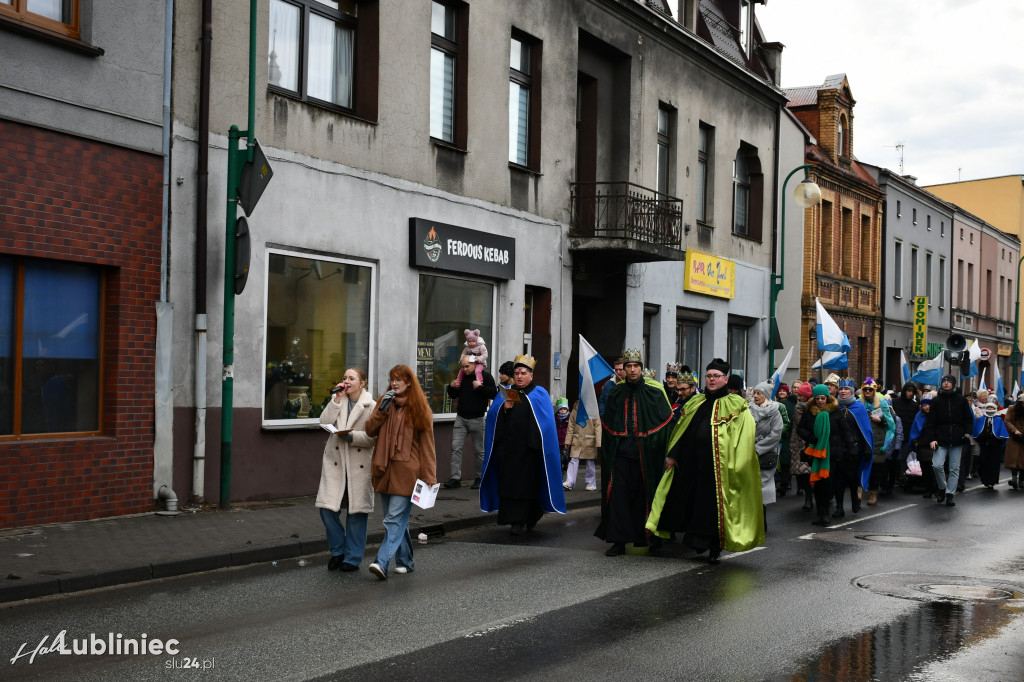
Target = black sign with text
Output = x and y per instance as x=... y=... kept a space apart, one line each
x=460 y=250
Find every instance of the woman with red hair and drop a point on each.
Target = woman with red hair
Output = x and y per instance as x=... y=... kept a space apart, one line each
x=404 y=428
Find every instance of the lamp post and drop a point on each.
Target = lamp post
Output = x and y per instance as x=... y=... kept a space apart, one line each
x=806 y=194
x=1016 y=321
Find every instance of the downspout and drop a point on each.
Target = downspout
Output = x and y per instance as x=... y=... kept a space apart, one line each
x=202 y=181
x=163 y=408
x=776 y=243
x=883 y=301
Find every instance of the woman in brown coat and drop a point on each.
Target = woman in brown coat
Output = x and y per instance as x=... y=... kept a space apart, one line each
x=583 y=443
x=345 y=473
x=404 y=428
x=1014 y=457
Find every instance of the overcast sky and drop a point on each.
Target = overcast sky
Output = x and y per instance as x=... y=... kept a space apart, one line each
x=944 y=77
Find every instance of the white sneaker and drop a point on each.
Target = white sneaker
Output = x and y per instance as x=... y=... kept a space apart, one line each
x=567 y=486
x=401 y=569
x=591 y=487
x=378 y=571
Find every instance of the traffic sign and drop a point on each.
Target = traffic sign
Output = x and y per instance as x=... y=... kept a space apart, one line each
x=986 y=354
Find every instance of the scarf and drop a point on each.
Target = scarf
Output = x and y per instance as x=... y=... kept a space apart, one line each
x=759 y=412
x=819 y=450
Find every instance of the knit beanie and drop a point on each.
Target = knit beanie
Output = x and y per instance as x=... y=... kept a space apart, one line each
x=820 y=389
x=805 y=390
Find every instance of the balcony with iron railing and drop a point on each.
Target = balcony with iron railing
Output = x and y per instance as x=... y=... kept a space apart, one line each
x=626 y=221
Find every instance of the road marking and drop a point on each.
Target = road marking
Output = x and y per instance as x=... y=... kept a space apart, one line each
x=834 y=526
x=736 y=554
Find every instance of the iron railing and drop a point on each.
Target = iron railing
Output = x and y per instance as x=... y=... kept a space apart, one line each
x=623 y=210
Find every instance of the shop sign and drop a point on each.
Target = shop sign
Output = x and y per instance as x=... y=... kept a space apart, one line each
x=460 y=250
x=1004 y=349
x=710 y=275
x=920 y=325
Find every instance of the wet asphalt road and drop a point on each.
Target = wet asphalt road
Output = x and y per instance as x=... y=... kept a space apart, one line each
x=869 y=599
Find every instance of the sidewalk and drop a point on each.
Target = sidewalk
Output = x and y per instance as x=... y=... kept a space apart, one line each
x=36 y=561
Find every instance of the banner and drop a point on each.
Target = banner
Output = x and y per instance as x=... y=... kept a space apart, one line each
x=920 y=325
x=709 y=275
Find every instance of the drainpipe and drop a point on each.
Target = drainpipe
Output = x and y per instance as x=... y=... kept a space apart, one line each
x=163 y=399
x=202 y=181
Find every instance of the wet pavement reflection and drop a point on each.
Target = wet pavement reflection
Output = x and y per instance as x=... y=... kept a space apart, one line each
x=895 y=650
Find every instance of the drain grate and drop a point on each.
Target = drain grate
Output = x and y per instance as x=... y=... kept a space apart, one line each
x=947 y=588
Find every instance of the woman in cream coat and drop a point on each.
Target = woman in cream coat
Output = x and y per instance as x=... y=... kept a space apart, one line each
x=345 y=477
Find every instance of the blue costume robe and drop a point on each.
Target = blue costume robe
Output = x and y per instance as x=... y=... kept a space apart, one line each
x=860 y=414
x=552 y=495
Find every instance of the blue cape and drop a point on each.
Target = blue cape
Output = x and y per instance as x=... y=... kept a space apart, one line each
x=917 y=426
x=998 y=427
x=860 y=413
x=552 y=496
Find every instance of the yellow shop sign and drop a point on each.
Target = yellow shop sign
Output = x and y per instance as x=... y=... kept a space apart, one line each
x=709 y=275
x=920 y=325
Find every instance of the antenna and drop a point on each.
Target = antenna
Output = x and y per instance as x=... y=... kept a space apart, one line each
x=899 y=150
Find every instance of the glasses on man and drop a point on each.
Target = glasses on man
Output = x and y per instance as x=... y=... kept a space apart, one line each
x=714 y=376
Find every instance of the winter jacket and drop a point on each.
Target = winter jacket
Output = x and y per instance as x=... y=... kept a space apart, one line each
x=1014 y=420
x=840 y=439
x=950 y=420
x=346 y=466
x=797 y=445
x=584 y=441
x=473 y=402
x=767 y=432
x=403 y=453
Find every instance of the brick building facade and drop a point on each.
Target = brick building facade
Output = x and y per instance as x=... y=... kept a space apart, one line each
x=843 y=234
x=69 y=200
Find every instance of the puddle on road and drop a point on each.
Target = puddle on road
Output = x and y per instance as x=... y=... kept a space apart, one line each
x=895 y=650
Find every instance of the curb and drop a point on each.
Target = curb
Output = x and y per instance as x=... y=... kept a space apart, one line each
x=248 y=557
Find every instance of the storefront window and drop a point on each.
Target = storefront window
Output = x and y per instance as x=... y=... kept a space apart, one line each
x=57 y=327
x=447 y=306
x=688 y=345
x=319 y=323
x=738 y=349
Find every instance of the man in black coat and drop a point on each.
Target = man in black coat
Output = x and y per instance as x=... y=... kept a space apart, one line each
x=947 y=427
x=905 y=407
x=469 y=418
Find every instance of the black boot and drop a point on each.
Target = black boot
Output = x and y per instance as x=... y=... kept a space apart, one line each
x=808 y=500
x=821 y=521
x=1013 y=478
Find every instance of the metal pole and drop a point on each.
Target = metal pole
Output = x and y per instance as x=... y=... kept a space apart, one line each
x=227 y=377
x=778 y=278
x=1016 y=321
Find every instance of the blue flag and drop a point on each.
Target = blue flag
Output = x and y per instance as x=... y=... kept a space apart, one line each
x=593 y=368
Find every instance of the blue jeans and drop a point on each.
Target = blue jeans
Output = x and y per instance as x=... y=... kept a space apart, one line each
x=939 y=459
x=474 y=428
x=397 y=543
x=351 y=544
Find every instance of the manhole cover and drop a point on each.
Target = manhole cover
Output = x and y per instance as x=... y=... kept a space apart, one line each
x=971 y=592
x=896 y=539
x=948 y=588
x=915 y=541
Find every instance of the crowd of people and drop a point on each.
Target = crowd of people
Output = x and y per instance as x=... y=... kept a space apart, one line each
x=674 y=459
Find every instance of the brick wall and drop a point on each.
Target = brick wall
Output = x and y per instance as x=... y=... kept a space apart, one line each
x=71 y=199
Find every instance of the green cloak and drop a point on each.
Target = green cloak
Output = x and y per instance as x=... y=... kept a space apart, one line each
x=644 y=414
x=737 y=474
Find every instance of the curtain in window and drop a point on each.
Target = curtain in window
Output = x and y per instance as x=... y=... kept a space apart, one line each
x=518 y=123
x=330 y=61
x=283 y=60
x=442 y=95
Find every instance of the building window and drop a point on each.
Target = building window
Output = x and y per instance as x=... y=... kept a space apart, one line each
x=867 y=240
x=942 y=228
x=827 y=245
x=913 y=271
x=914 y=215
x=970 y=287
x=959 y=283
x=665 y=120
x=942 y=282
x=705 y=148
x=448 y=72
x=447 y=305
x=312 y=50
x=928 y=277
x=319 y=323
x=847 y=242
x=524 y=102
x=50 y=360
x=899 y=210
x=972 y=238
x=688 y=341
x=961 y=234
x=748 y=192
x=59 y=16
x=928 y=222
x=842 y=137
x=738 y=349
x=897 y=269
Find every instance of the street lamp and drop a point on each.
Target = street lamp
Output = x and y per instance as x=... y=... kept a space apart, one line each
x=806 y=194
x=1016 y=321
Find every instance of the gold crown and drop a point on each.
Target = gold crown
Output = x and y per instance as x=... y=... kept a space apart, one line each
x=632 y=355
x=649 y=373
x=526 y=361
